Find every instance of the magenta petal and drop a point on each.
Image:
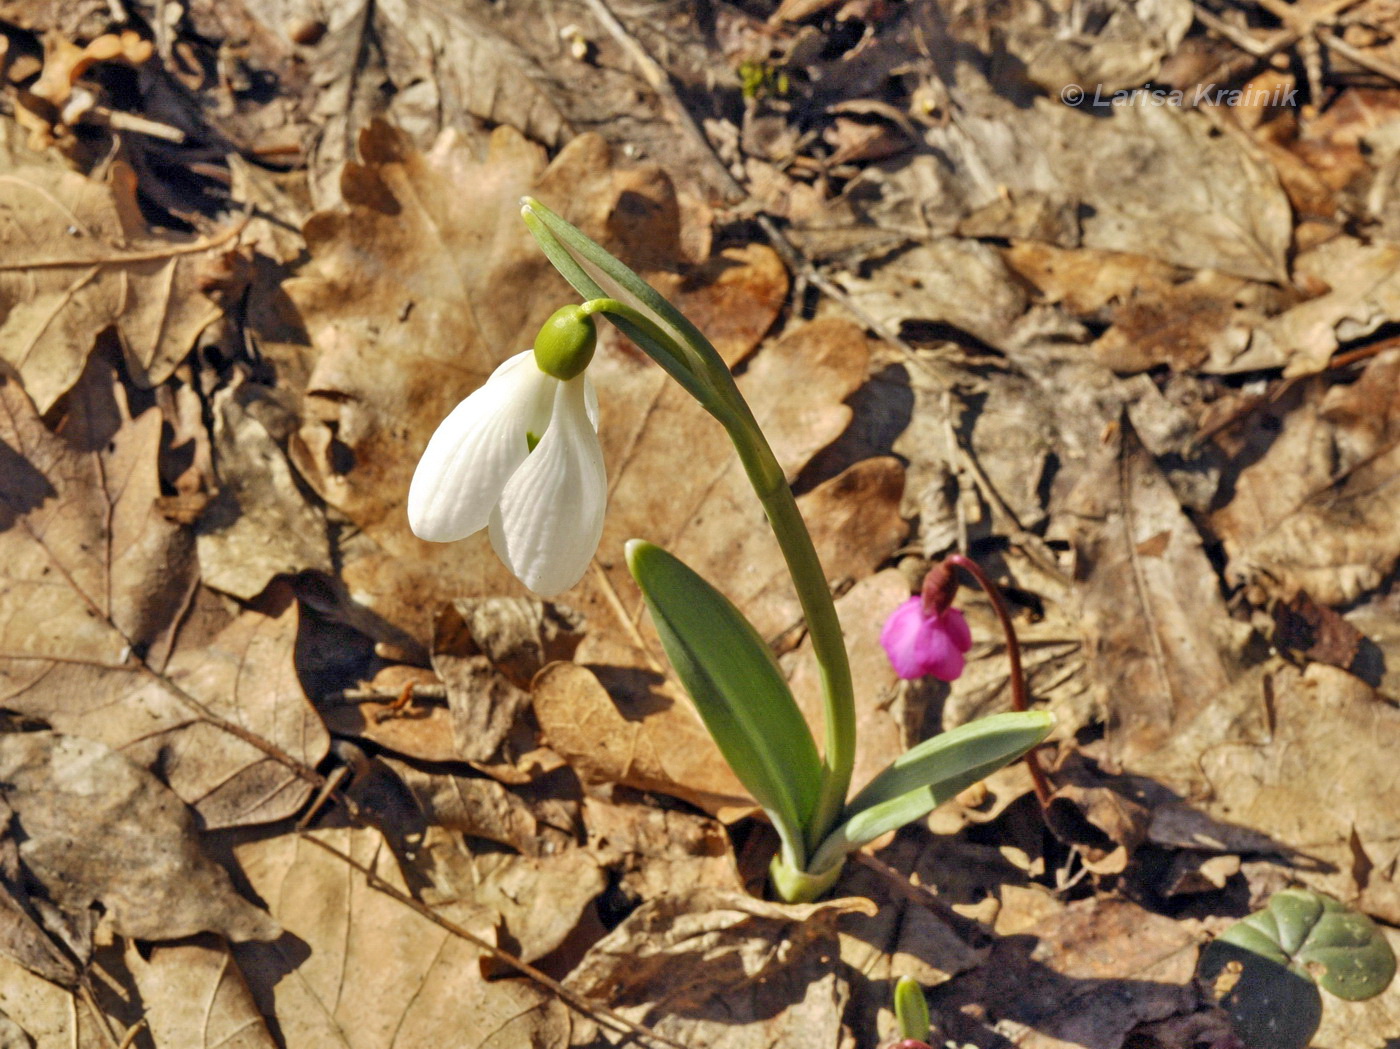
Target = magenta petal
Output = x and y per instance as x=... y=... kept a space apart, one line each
x=956 y=628
x=939 y=655
x=900 y=638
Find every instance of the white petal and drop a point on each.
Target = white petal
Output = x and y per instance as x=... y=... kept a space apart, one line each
x=550 y=517
x=473 y=453
x=590 y=401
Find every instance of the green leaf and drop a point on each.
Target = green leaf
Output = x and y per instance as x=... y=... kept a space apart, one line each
x=911 y=1009
x=1264 y=967
x=737 y=687
x=923 y=778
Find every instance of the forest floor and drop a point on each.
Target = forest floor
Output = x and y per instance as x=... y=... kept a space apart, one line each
x=1105 y=295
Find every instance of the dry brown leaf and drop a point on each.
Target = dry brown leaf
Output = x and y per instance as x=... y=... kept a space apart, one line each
x=1318 y=778
x=1319 y=510
x=1363 y=293
x=1107 y=44
x=1083 y=976
x=658 y=851
x=722 y=969
x=99 y=830
x=483 y=808
x=259 y=524
x=242 y=670
x=88 y=566
x=414 y=295
x=1158 y=181
x=79 y=258
x=648 y=740
x=1159 y=642
x=50 y=1015
x=962 y=283
x=503 y=892
x=362 y=971
x=194 y=995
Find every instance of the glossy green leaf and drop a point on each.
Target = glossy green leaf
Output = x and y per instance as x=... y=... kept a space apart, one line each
x=923 y=778
x=737 y=687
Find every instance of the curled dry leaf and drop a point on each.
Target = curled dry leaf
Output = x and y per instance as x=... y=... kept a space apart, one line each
x=99 y=830
x=1317 y=511
x=723 y=969
x=78 y=258
x=259 y=524
x=366 y=971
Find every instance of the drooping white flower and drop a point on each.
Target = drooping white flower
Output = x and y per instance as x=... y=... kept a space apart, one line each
x=521 y=457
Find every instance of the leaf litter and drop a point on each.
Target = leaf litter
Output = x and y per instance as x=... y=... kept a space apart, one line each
x=1132 y=358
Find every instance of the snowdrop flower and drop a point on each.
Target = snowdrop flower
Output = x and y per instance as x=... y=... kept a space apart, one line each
x=521 y=457
x=926 y=636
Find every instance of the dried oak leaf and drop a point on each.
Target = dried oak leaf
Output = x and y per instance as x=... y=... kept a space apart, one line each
x=416 y=291
x=719 y=968
x=1159 y=643
x=1319 y=779
x=194 y=994
x=656 y=743
x=1157 y=181
x=362 y=971
x=79 y=258
x=99 y=829
x=1319 y=510
x=259 y=523
x=657 y=851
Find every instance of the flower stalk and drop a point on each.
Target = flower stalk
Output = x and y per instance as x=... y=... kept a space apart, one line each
x=1013 y=657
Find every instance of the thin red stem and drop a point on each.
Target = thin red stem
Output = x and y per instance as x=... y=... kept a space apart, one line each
x=1013 y=655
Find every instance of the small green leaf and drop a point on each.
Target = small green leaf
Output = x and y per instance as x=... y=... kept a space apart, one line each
x=923 y=778
x=911 y=1009
x=1271 y=960
x=737 y=687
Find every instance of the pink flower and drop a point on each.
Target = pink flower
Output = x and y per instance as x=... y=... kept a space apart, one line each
x=920 y=643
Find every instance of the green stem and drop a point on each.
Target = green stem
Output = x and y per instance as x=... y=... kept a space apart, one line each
x=823 y=626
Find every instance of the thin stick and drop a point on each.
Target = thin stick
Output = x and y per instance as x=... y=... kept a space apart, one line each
x=585 y=1006
x=1013 y=655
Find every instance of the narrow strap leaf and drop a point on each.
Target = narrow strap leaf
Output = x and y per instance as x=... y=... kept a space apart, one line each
x=923 y=778
x=737 y=687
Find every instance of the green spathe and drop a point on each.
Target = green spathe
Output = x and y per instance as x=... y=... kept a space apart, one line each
x=564 y=346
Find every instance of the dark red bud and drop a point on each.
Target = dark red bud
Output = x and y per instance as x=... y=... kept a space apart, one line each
x=940 y=587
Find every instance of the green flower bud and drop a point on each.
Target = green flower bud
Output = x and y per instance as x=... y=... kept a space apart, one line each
x=565 y=344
